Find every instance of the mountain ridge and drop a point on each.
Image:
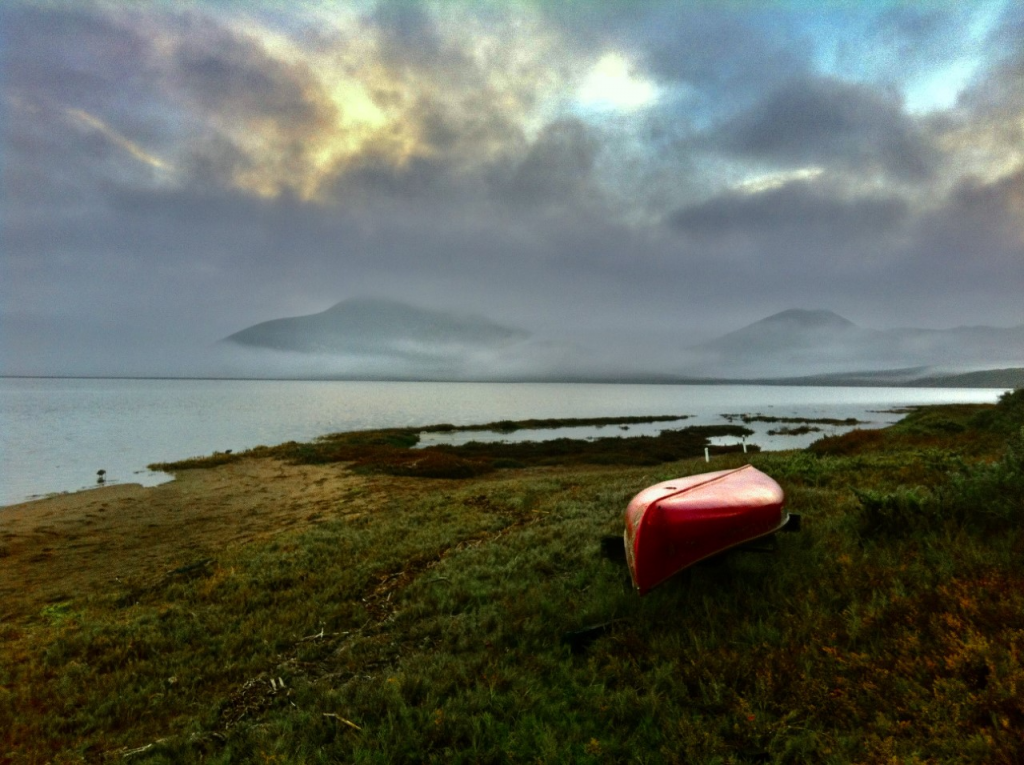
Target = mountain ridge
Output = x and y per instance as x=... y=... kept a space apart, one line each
x=822 y=342
x=374 y=326
x=378 y=338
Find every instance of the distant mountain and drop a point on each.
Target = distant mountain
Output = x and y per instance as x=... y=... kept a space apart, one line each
x=377 y=339
x=789 y=331
x=918 y=377
x=800 y=343
x=378 y=327
x=795 y=320
x=989 y=378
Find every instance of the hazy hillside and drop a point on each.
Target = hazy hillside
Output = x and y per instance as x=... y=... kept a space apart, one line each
x=800 y=342
x=372 y=339
x=369 y=338
x=375 y=326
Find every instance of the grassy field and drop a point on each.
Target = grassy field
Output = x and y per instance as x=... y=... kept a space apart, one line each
x=430 y=626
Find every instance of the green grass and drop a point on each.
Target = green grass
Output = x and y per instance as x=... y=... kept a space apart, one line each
x=510 y=426
x=748 y=418
x=891 y=628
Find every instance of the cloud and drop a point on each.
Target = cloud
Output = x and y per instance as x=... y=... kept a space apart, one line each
x=175 y=173
x=612 y=86
x=264 y=122
x=117 y=139
x=802 y=219
x=988 y=129
x=712 y=57
x=979 y=219
x=556 y=170
x=828 y=122
x=91 y=61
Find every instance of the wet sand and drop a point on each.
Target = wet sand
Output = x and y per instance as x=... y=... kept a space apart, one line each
x=69 y=545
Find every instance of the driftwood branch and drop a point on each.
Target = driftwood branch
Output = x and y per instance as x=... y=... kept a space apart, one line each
x=341 y=719
x=125 y=754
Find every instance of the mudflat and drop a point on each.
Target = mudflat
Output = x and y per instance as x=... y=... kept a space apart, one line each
x=69 y=545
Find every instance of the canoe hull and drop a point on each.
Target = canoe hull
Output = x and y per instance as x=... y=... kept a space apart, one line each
x=674 y=524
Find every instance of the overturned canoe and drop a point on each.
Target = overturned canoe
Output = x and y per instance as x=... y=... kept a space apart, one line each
x=674 y=524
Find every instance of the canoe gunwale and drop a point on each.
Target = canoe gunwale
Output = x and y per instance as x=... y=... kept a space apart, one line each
x=716 y=553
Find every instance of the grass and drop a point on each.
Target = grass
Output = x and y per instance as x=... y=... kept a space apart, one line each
x=510 y=426
x=890 y=629
x=391 y=452
x=748 y=418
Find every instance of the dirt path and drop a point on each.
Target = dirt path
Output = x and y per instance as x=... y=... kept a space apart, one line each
x=69 y=544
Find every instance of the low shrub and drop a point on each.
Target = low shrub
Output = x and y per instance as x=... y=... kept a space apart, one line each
x=982 y=496
x=854 y=442
x=1007 y=415
x=427 y=463
x=895 y=514
x=939 y=420
x=989 y=494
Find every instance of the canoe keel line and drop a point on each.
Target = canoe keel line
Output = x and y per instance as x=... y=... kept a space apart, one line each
x=672 y=525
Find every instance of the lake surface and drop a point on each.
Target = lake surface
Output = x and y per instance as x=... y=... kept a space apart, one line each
x=55 y=434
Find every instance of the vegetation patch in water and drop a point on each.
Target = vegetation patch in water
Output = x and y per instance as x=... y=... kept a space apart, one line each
x=390 y=451
x=798 y=431
x=848 y=421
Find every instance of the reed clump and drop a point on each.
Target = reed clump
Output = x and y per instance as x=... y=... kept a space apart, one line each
x=429 y=630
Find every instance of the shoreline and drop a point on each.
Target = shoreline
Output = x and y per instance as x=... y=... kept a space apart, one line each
x=60 y=434
x=1005 y=378
x=256 y=602
x=64 y=545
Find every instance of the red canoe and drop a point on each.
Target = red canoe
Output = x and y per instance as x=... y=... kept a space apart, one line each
x=674 y=524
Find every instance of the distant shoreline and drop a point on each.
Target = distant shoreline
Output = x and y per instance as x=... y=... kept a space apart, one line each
x=1008 y=378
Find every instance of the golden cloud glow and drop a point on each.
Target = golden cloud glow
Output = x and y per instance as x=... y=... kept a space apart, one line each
x=988 y=150
x=499 y=89
x=356 y=100
x=119 y=140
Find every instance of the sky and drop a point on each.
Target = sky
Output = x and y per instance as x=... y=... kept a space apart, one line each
x=626 y=177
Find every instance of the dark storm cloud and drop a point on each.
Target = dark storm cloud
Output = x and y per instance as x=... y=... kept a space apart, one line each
x=232 y=76
x=798 y=215
x=979 y=221
x=828 y=122
x=968 y=250
x=556 y=170
x=813 y=238
x=89 y=60
x=91 y=67
x=802 y=242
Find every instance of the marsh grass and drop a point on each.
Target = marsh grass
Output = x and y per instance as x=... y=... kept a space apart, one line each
x=430 y=629
x=510 y=426
x=391 y=452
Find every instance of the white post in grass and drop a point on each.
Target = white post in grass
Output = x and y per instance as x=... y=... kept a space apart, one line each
x=707 y=455
x=744 y=438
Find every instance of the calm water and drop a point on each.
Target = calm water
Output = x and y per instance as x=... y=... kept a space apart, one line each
x=55 y=434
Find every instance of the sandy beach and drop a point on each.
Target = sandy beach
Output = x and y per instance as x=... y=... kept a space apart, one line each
x=70 y=545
